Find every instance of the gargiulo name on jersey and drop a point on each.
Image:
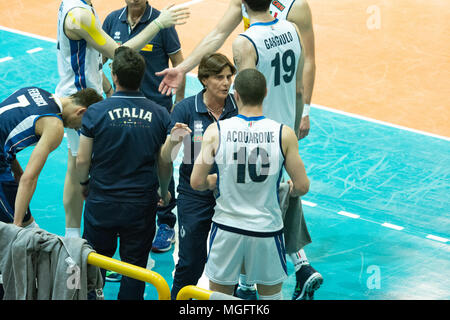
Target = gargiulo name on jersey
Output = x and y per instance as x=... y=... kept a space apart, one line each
x=279 y=40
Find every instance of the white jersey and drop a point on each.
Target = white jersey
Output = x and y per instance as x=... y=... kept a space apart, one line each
x=249 y=161
x=278 y=51
x=278 y=9
x=79 y=64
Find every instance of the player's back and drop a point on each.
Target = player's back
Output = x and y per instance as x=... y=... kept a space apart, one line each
x=278 y=51
x=18 y=115
x=128 y=131
x=79 y=64
x=249 y=161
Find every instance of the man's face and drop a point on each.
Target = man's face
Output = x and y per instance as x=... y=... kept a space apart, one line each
x=136 y=3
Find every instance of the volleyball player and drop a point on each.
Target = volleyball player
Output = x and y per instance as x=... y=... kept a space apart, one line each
x=80 y=43
x=249 y=150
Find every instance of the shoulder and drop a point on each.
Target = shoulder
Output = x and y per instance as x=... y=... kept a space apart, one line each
x=114 y=15
x=300 y=14
x=50 y=126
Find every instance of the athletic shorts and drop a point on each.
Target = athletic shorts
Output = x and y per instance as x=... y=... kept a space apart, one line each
x=8 y=192
x=73 y=141
x=261 y=255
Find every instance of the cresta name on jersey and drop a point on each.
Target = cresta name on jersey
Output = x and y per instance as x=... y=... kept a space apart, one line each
x=250 y=137
x=279 y=40
x=138 y=113
x=37 y=98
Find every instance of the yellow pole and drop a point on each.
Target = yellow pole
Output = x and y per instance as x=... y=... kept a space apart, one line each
x=132 y=271
x=193 y=292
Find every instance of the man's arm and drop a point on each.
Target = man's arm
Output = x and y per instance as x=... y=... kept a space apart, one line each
x=165 y=169
x=83 y=162
x=299 y=89
x=81 y=23
x=176 y=59
x=293 y=163
x=51 y=131
x=244 y=53
x=172 y=145
x=209 y=44
x=201 y=180
x=300 y=14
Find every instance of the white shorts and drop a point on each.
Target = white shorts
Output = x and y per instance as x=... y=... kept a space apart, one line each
x=73 y=141
x=262 y=256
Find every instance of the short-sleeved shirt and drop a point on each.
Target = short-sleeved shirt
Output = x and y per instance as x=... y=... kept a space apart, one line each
x=193 y=112
x=156 y=52
x=128 y=131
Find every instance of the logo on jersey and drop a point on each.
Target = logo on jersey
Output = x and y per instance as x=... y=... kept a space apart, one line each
x=198 y=132
x=117 y=35
x=278 y=5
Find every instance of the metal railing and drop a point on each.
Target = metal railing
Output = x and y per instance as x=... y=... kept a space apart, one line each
x=132 y=271
x=194 y=292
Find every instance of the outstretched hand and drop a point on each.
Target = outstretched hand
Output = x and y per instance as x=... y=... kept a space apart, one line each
x=171 y=16
x=172 y=78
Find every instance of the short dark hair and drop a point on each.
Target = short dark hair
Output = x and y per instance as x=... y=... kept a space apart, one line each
x=86 y=97
x=129 y=67
x=213 y=64
x=258 y=5
x=250 y=84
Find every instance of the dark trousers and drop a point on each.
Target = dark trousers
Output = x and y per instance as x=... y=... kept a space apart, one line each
x=194 y=223
x=165 y=214
x=134 y=224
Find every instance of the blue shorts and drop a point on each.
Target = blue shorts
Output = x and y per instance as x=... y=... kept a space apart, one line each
x=8 y=192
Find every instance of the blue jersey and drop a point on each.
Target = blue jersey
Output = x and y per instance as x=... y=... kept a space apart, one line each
x=193 y=112
x=128 y=131
x=18 y=115
x=156 y=52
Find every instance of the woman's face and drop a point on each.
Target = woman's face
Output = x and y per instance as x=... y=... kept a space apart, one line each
x=218 y=85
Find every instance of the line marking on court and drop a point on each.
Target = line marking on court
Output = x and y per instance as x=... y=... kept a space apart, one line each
x=186 y=4
x=388 y=124
x=34 y=50
x=352 y=115
x=348 y=214
x=392 y=226
x=27 y=34
x=440 y=239
x=5 y=59
x=310 y=204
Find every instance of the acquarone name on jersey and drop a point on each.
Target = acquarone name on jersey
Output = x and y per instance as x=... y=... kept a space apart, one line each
x=277 y=41
x=250 y=137
x=125 y=113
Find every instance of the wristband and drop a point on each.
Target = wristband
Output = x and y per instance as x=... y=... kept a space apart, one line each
x=85 y=183
x=158 y=24
x=306 y=109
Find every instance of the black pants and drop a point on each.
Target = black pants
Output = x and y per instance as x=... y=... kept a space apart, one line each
x=194 y=223
x=134 y=224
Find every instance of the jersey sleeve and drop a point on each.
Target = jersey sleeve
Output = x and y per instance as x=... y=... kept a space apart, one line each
x=88 y=124
x=171 y=41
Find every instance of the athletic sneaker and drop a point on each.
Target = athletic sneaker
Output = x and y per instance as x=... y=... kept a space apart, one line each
x=164 y=239
x=112 y=276
x=245 y=294
x=308 y=281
